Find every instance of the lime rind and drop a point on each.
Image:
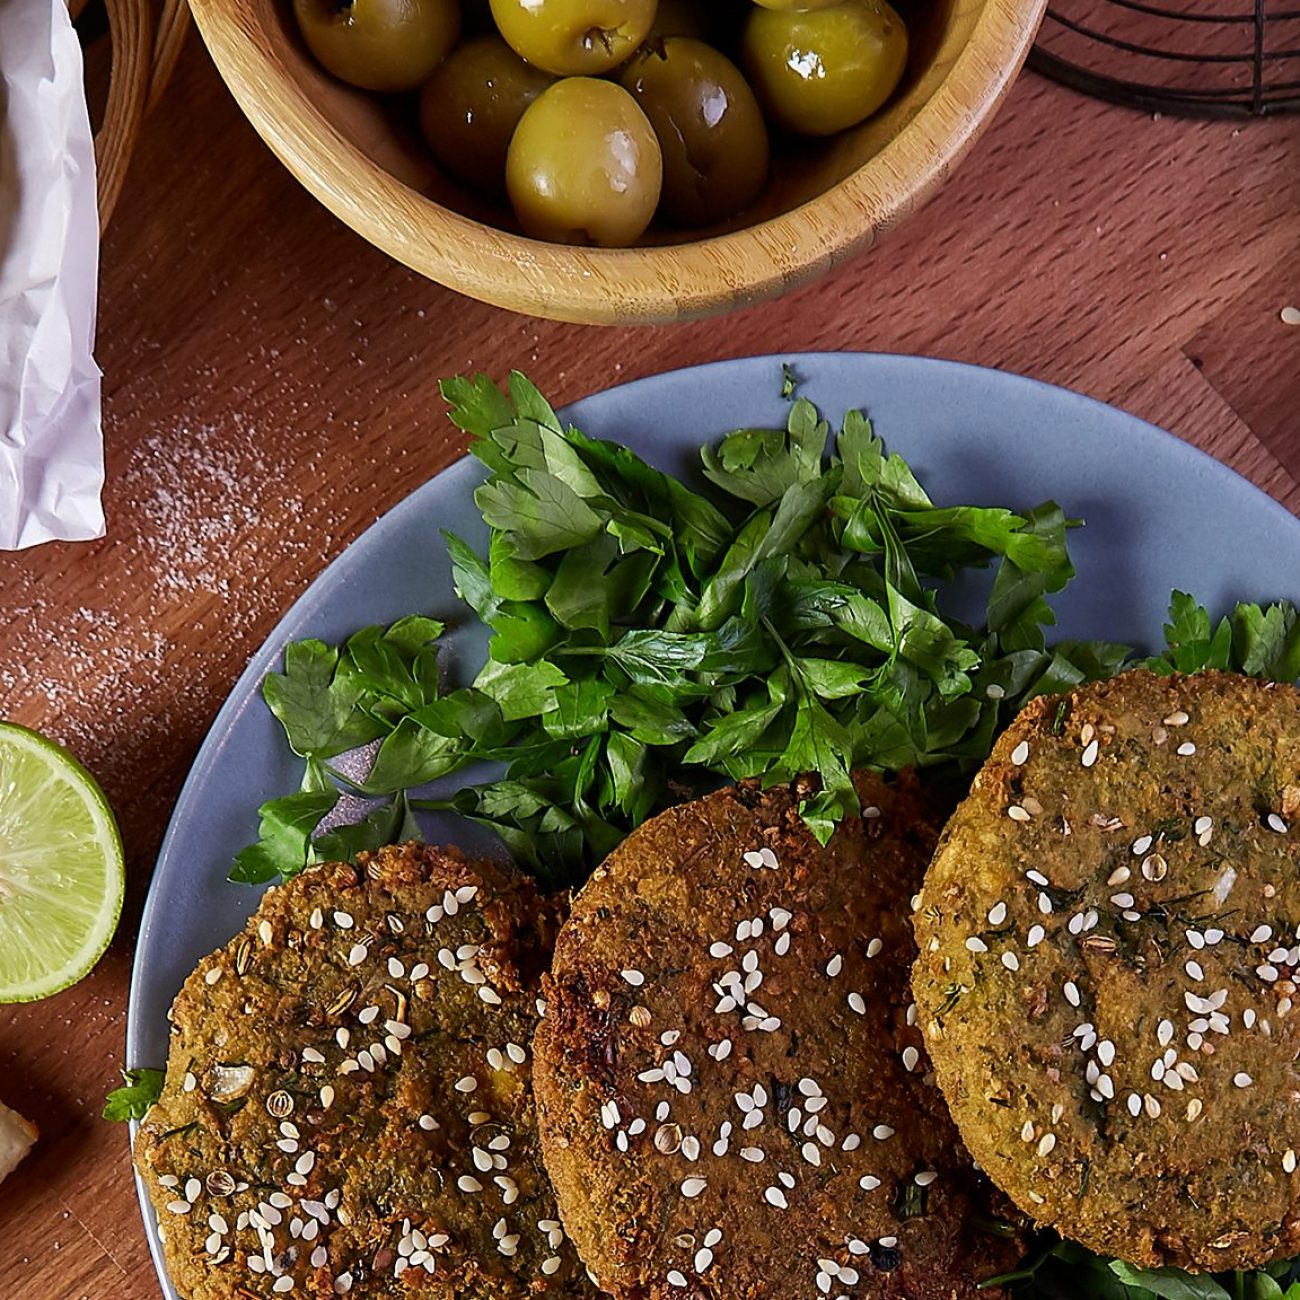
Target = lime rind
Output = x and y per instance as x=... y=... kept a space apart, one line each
x=62 y=875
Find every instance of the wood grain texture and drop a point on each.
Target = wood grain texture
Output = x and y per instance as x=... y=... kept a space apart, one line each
x=270 y=389
x=823 y=200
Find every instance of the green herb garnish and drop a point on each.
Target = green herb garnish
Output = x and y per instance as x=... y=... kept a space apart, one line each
x=141 y=1088
x=649 y=640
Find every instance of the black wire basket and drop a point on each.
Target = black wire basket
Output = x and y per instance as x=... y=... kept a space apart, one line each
x=1199 y=58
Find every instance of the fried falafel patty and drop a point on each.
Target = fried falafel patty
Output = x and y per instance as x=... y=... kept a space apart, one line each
x=732 y=1100
x=1109 y=943
x=347 y=1107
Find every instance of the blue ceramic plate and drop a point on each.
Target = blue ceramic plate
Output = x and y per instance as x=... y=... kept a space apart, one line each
x=1159 y=515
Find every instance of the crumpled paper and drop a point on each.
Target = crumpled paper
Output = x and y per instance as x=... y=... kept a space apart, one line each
x=51 y=440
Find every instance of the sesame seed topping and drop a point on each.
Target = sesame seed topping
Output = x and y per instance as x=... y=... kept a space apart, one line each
x=1186 y=749
x=1089 y=757
x=997 y=913
x=1275 y=823
x=1047 y=1144
x=868 y=1183
x=1020 y=754
x=692 y=1187
x=1011 y=961
x=834 y=966
x=976 y=944
x=925 y=1177
x=1036 y=935
x=634 y=977
x=1071 y=991
x=857 y=1004
x=1017 y=813
x=1242 y=1080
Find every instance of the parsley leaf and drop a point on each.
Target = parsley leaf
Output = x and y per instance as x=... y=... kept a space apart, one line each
x=792 y=621
x=140 y=1090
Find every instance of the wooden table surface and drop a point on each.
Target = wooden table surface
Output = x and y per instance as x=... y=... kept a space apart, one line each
x=270 y=389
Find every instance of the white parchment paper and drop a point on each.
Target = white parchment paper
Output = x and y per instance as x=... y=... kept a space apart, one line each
x=51 y=442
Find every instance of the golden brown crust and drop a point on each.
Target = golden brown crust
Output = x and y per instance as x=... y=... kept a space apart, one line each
x=635 y=991
x=1108 y=953
x=317 y=1122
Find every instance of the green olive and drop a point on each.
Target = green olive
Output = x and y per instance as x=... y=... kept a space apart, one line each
x=709 y=125
x=797 y=6
x=574 y=38
x=584 y=166
x=471 y=105
x=386 y=45
x=825 y=70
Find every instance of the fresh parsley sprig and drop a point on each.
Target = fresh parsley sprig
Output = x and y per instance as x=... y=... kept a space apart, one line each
x=139 y=1090
x=791 y=617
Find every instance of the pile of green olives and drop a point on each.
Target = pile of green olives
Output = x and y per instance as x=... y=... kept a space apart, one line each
x=595 y=116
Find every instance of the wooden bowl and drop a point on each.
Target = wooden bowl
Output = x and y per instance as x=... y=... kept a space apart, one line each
x=363 y=158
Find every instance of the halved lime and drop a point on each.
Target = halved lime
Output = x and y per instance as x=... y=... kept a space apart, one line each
x=61 y=868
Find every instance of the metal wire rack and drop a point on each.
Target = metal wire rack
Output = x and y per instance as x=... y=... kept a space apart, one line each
x=1198 y=58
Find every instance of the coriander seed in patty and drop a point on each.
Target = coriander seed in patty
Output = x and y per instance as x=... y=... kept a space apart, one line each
x=1109 y=939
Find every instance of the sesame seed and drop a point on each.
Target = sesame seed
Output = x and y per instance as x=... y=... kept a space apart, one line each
x=925 y=1177
x=1020 y=753
x=1242 y=1080
x=1011 y=961
x=1289 y=1161
x=997 y=913
x=875 y=947
x=1120 y=876
x=692 y=1187
x=1262 y=934
x=634 y=977
x=676 y=1278
x=834 y=966
x=720 y=950
x=1017 y=813
x=1089 y=757
x=882 y=1132
x=1047 y=1144
x=1141 y=845
x=357 y=955
x=1202 y=824
x=911 y=1058
x=1071 y=991
x=976 y=944
x=775 y=1196
x=1275 y=823
x=1186 y=749
x=1122 y=900
x=1193 y=968
x=1134 y=1104
x=868 y=1183
x=1036 y=935
x=857 y=1004
x=1044 y=904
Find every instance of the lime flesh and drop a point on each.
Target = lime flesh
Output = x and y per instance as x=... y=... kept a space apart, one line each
x=61 y=868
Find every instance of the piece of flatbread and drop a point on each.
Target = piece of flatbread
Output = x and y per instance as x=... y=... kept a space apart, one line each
x=17 y=1136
